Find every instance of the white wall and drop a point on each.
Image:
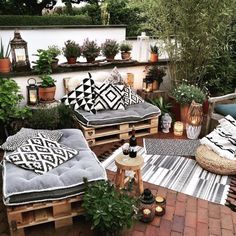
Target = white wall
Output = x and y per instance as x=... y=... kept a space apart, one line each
x=41 y=38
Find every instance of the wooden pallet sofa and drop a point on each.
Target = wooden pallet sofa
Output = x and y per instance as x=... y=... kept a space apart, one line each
x=55 y=196
x=113 y=125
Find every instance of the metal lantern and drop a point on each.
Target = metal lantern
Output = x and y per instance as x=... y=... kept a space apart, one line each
x=143 y=44
x=194 y=120
x=147 y=85
x=32 y=92
x=19 y=50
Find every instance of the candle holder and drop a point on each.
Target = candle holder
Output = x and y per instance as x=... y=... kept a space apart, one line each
x=178 y=128
x=160 y=211
x=160 y=201
x=130 y=79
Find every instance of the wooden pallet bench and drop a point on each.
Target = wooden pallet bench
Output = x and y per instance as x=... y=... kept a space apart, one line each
x=102 y=135
x=60 y=212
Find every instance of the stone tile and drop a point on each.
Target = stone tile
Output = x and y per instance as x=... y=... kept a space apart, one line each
x=202 y=203
x=151 y=230
x=226 y=232
x=170 y=198
x=188 y=231
x=180 y=208
x=156 y=221
x=176 y=234
x=165 y=228
x=140 y=226
x=202 y=215
x=226 y=222
x=137 y=233
x=214 y=226
x=178 y=224
x=169 y=213
x=191 y=219
x=214 y=210
x=191 y=204
x=202 y=229
x=181 y=197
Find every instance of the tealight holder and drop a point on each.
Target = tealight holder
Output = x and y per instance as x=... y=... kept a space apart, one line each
x=160 y=211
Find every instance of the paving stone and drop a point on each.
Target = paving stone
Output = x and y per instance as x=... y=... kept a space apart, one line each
x=181 y=197
x=151 y=230
x=202 y=203
x=226 y=232
x=227 y=222
x=188 y=231
x=170 y=198
x=214 y=226
x=214 y=211
x=156 y=221
x=169 y=213
x=202 y=229
x=191 y=219
x=176 y=234
x=165 y=228
x=202 y=215
x=180 y=208
x=178 y=224
x=137 y=233
x=191 y=204
x=140 y=226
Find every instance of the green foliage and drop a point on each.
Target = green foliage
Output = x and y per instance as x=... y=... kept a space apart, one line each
x=90 y=49
x=110 y=48
x=185 y=94
x=47 y=81
x=156 y=73
x=14 y=20
x=107 y=209
x=71 y=49
x=193 y=32
x=54 y=51
x=3 y=53
x=125 y=47
x=154 y=49
x=161 y=104
x=9 y=102
x=65 y=117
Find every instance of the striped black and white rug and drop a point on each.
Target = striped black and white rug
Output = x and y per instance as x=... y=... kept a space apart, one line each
x=180 y=174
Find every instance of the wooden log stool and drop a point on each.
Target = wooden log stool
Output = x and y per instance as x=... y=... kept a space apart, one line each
x=123 y=163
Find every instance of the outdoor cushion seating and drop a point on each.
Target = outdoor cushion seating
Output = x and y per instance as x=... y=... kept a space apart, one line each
x=21 y=186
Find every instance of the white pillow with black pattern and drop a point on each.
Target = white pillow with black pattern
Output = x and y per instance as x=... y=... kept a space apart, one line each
x=81 y=97
x=16 y=140
x=115 y=77
x=130 y=97
x=41 y=154
x=108 y=96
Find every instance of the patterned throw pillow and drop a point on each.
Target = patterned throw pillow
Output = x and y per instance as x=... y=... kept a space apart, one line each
x=115 y=77
x=41 y=154
x=130 y=97
x=82 y=97
x=15 y=141
x=108 y=96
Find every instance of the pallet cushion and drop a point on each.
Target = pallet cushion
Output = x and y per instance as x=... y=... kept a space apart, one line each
x=22 y=186
x=214 y=163
x=132 y=114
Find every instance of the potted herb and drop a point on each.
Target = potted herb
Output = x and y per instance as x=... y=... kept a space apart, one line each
x=90 y=50
x=156 y=74
x=125 y=49
x=109 y=49
x=108 y=210
x=5 y=63
x=55 y=51
x=47 y=87
x=154 y=53
x=71 y=51
x=10 y=109
x=184 y=94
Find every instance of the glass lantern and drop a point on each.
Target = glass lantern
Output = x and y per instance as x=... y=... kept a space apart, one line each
x=147 y=85
x=194 y=120
x=19 y=50
x=143 y=44
x=32 y=92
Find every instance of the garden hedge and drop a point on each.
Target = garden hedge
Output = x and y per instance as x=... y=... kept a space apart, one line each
x=16 y=20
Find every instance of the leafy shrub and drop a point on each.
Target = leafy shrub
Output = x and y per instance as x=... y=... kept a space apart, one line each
x=110 y=48
x=125 y=47
x=71 y=49
x=90 y=49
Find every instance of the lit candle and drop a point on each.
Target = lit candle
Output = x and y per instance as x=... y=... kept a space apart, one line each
x=159 y=211
x=33 y=97
x=178 y=128
x=146 y=212
x=160 y=201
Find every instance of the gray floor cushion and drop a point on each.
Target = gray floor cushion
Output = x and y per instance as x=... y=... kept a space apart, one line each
x=22 y=186
x=133 y=113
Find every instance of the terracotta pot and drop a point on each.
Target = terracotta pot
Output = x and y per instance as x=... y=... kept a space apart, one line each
x=110 y=58
x=90 y=59
x=155 y=85
x=5 y=65
x=71 y=60
x=125 y=55
x=183 y=112
x=47 y=94
x=154 y=57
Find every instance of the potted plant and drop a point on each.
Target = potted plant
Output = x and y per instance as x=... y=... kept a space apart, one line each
x=109 y=49
x=90 y=50
x=10 y=109
x=154 y=53
x=156 y=74
x=125 y=49
x=71 y=51
x=55 y=51
x=5 y=63
x=184 y=94
x=108 y=210
x=47 y=86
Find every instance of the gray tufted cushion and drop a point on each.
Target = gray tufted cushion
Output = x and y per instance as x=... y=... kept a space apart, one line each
x=23 y=186
x=133 y=113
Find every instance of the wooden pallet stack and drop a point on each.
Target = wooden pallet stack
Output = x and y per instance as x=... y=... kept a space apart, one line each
x=60 y=212
x=102 y=135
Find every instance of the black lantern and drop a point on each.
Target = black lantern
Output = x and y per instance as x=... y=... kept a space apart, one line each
x=147 y=85
x=32 y=92
x=20 y=57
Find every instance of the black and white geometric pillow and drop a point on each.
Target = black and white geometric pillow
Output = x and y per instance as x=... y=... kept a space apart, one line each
x=16 y=140
x=81 y=97
x=108 y=96
x=130 y=97
x=41 y=154
x=115 y=77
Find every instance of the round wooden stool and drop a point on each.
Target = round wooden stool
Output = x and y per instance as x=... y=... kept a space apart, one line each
x=124 y=163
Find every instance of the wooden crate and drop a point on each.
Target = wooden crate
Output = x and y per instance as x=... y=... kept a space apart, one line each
x=102 y=135
x=60 y=212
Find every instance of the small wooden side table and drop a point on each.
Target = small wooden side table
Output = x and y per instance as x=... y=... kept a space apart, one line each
x=124 y=163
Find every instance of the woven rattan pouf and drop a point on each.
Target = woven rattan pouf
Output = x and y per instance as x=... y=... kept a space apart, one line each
x=212 y=162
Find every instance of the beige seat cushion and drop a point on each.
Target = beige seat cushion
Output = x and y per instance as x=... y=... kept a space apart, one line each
x=212 y=162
